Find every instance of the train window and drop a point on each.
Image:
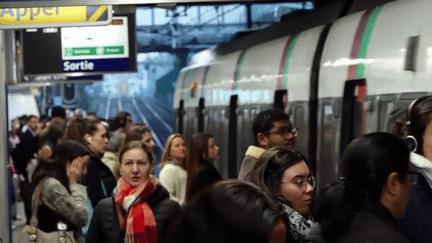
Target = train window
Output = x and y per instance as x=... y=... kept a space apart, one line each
x=396 y=112
x=301 y=124
x=280 y=99
x=329 y=142
x=384 y=110
x=48 y=90
x=68 y=93
x=411 y=53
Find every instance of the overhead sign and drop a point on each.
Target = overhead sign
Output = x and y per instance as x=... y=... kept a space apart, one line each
x=91 y=49
x=44 y=17
x=87 y=50
x=62 y=78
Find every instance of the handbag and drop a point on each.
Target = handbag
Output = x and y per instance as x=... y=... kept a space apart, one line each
x=31 y=234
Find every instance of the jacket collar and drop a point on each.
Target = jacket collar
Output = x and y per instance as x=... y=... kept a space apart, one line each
x=26 y=128
x=254 y=151
x=382 y=212
x=424 y=165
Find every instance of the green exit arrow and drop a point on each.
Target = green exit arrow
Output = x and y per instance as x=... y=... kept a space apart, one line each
x=94 y=51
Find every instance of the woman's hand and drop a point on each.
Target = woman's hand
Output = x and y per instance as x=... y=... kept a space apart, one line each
x=74 y=170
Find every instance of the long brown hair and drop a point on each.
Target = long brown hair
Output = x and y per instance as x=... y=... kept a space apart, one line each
x=197 y=153
x=136 y=133
x=166 y=155
x=78 y=127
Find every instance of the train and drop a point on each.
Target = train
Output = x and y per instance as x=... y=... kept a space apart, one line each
x=338 y=72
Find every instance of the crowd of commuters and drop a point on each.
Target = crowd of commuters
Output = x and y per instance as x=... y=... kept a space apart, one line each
x=96 y=178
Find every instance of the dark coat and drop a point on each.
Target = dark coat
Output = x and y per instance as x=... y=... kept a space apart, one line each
x=369 y=226
x=207 y=175
x=416 y=225
x=104 y=226
x=24 y=151
x=99 y=180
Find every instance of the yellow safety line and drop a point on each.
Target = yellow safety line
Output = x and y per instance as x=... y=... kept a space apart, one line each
x=98 y=14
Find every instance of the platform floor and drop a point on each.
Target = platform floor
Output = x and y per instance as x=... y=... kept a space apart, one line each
x=19 y=222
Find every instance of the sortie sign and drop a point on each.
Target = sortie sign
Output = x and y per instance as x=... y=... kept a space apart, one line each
x=45 y=17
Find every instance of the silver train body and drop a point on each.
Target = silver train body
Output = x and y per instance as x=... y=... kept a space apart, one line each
x=337 y=80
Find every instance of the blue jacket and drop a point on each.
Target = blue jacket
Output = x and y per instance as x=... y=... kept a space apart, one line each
x=416 y=225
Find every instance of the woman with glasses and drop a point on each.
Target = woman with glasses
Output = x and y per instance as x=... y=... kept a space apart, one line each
x=284 y=174
x=372 y=191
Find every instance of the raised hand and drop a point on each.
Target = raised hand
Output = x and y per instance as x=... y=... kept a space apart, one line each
x=75 y=169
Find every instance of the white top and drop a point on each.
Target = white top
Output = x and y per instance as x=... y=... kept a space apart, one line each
x=173 y=178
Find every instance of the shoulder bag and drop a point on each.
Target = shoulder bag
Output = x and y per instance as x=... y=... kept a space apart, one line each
x=31 y=234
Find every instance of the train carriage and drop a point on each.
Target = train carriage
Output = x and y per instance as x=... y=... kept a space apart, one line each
x=336 y=80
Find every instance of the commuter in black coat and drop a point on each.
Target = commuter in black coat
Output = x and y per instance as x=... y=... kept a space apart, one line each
x=100 y=181
x=201 y=173
x=372 y=191
x=27 y=147
x=113 y=217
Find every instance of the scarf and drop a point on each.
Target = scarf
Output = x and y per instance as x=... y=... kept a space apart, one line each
x=140 y=223
x=299 y=225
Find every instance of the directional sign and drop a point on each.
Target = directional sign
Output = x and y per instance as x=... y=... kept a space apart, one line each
x=91 y=49
x=44 y=17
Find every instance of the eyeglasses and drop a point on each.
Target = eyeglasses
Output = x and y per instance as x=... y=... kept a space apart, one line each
x=284 y=131
x=302 y=182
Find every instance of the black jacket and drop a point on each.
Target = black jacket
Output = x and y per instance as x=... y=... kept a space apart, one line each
x=207 y=175
x=104 y=226
x=416 y=225
x=24 y=151
x=373 y=225
x=99 y=180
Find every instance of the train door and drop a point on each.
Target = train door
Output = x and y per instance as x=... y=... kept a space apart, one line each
x=353 y=117
x=179 y=114
x=201 y=107
x=341 y=120
x=245 y=116
x=244 y=136
x=191 y=122
x=328 y=140
x=216 y=122
x=232 y=137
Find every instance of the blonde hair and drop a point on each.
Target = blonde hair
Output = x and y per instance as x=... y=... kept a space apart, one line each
x=166 y=155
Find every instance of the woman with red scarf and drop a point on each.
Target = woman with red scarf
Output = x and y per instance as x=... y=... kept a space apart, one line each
x=140 y=209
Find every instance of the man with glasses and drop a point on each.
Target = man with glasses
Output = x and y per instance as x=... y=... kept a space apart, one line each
x=270 y=128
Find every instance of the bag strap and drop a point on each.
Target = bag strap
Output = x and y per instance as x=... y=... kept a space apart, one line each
x=119 y=214
x=37 y=195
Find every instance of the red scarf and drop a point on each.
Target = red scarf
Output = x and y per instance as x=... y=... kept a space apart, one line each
x=140 y=222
